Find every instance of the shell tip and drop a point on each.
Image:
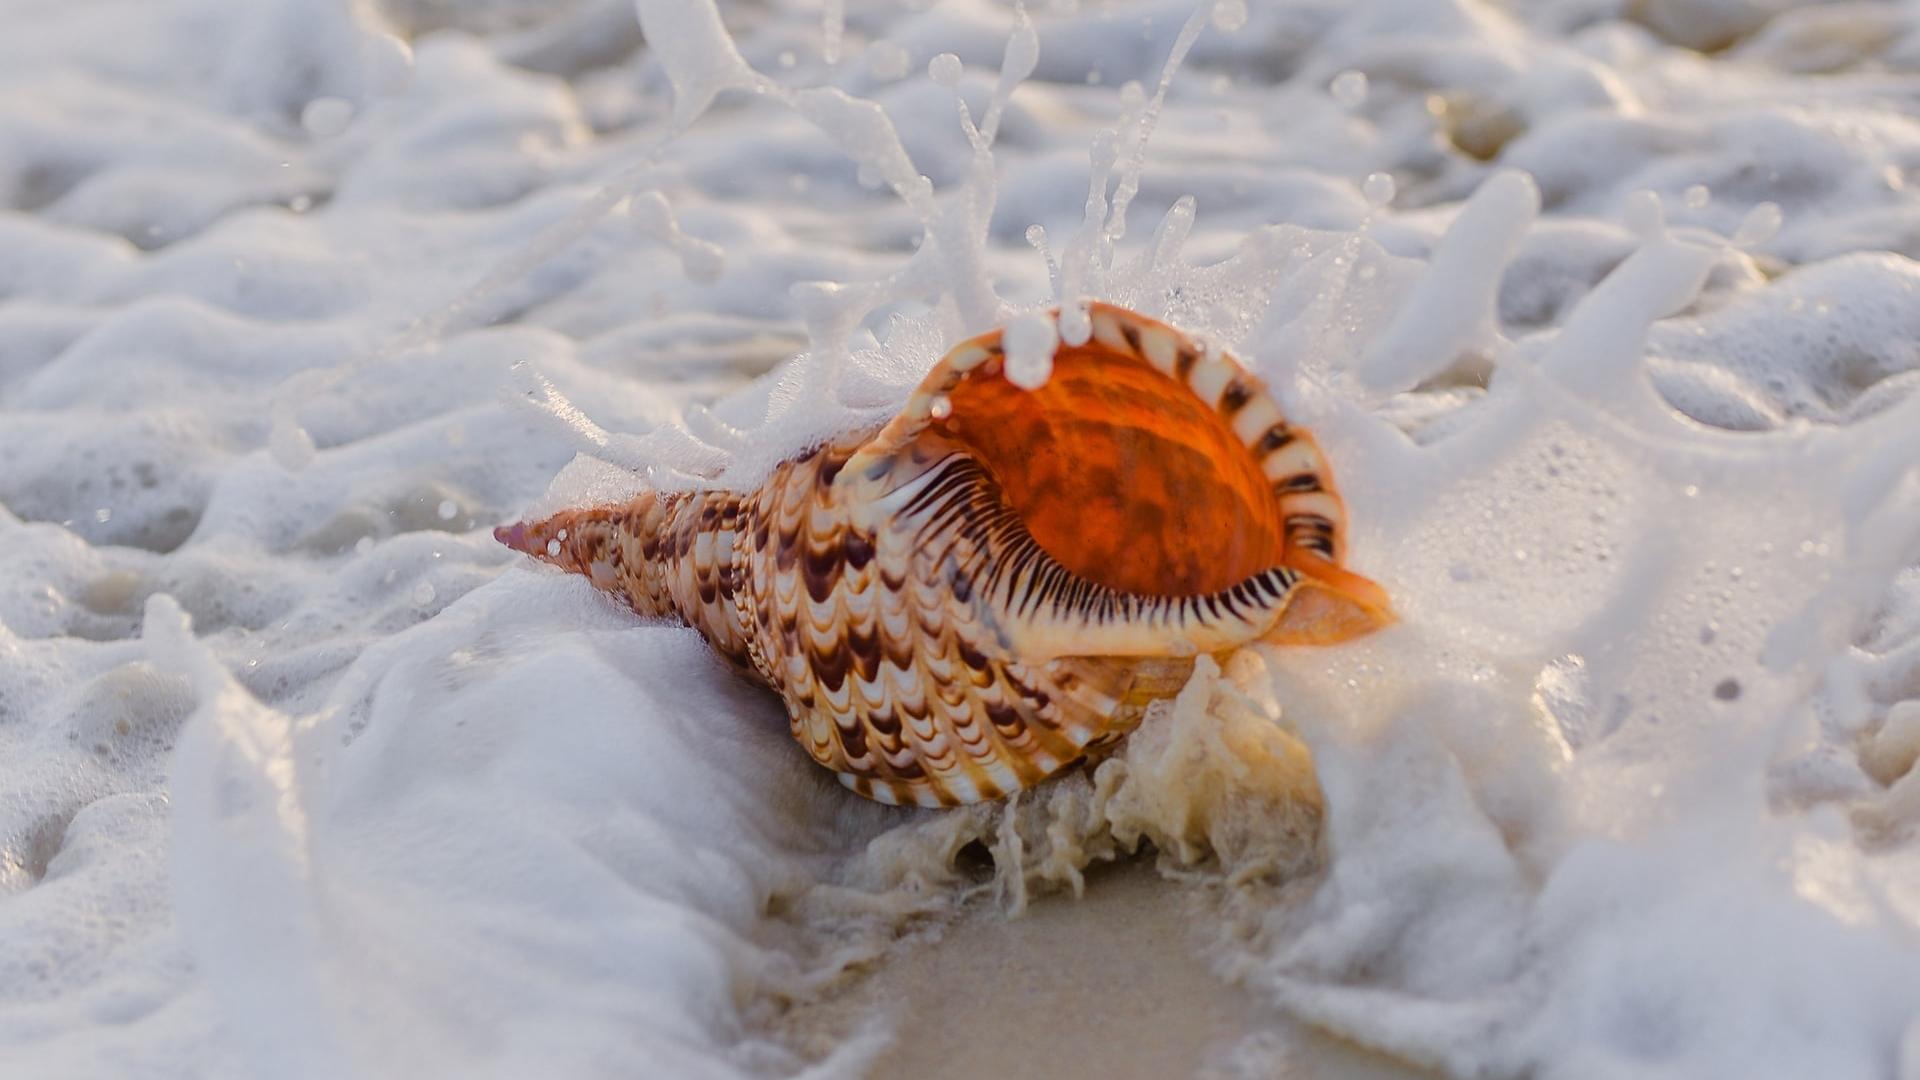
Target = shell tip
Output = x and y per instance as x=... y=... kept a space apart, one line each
x=514 y=536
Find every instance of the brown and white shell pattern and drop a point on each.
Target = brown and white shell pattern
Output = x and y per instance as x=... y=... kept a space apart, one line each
x=995 y=584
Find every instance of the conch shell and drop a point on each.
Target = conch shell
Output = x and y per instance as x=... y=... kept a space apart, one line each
x=994 y=585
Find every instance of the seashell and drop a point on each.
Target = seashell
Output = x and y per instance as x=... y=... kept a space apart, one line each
x=994 y=585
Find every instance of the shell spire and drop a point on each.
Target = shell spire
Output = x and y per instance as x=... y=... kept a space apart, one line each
x=995 y=584
x=667 y=554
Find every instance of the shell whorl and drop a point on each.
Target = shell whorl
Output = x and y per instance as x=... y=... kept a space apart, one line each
x=995 y=583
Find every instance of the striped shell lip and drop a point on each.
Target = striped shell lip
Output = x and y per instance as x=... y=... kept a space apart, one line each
x=1146 y=463
x=992 y=588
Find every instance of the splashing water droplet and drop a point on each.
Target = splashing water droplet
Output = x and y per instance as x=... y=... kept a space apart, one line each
x=1760 y=226
x=1378 y=190
x=940 y=408
x=1349 y=88
x=1030 y=341
x=945 y=69
x=1229 y=15
x=1696 y=196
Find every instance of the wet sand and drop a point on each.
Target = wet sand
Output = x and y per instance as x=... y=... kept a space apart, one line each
x=1110 y=985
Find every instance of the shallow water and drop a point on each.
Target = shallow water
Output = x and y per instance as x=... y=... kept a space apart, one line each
x=1611 y=343
x=1112 y=983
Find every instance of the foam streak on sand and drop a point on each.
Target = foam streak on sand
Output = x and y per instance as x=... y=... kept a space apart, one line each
x=300 y=774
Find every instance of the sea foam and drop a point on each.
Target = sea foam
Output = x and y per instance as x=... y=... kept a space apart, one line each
x=305 y=776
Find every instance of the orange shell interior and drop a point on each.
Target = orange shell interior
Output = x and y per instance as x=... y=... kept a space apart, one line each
x=1122 y=474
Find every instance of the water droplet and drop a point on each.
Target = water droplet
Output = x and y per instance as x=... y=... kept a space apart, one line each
x=940 y=408
x=945 y=69
x=1229 y=15
x=423 y=594
x=787 y=58
x=363 y=546
x=1378 y=189
x=103 y=515
x=326 y=117
x=1349 y=88
x=553 y=549
x=1696 y=196
x=561 y=535
x=300 y=204
x=1761 y=225
x=447 y=509
x=1030 y=342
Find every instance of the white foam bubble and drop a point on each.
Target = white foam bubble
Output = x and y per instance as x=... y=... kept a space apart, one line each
x=1030 y=342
